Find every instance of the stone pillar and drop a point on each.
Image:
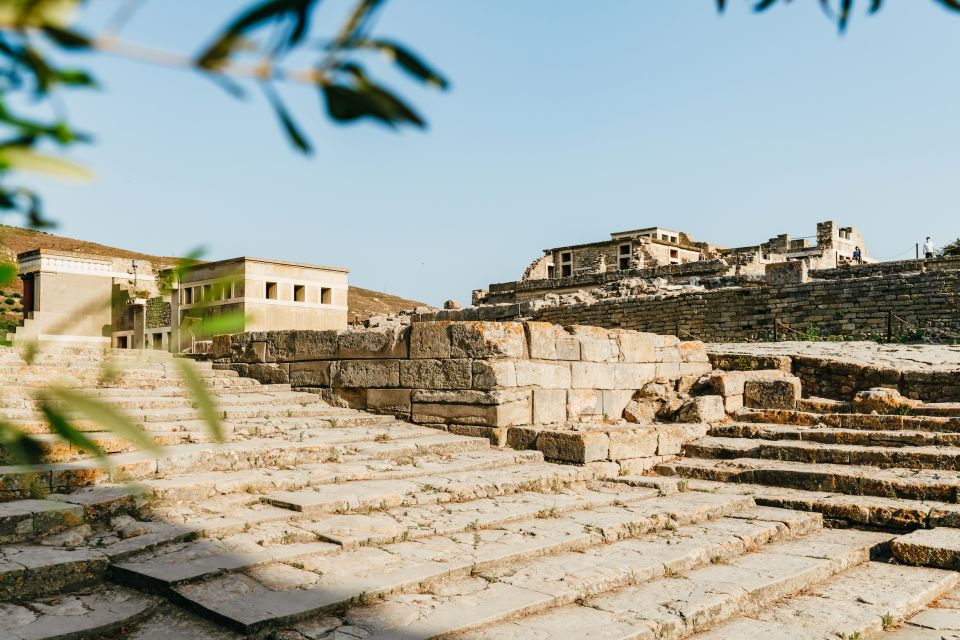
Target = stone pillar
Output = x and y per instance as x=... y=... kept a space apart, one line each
x=174 y=345
x=139 y=325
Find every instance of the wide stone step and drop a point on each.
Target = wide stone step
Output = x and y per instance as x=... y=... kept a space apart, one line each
x=939 y=548
x=833 y=435
x=859 y=603
x=27 y=520
x=55 y=449
x=850 y=420
x=275 y=594
x=940 y=620
x=102 y=611
x=202 y=487
x=33 y=571
x=922 y=484
x=677 y=606
x=926 y=457
x=299 y=536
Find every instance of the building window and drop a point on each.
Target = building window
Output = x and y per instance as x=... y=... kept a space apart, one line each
x=664 y=237
x=238 y=289
x=188 y=295
x=624 y=257
x=674 y=253
x=326 y=295
x=673 y=239
x=551 y=271
x=207 y=292
x=121 y=342
x=271 y=291
x=566 y=264
x=299 y=293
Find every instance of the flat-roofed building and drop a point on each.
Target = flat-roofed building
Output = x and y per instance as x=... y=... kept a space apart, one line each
x=264 y=294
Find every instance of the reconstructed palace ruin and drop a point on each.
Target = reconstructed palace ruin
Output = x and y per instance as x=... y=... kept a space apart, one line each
x=564 y=459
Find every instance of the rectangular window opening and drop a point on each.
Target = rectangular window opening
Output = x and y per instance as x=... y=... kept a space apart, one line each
x=299 y=293
x=326 y=295
x=207 y=292
x=566 y=264
x=188 y=295
x=271 y=291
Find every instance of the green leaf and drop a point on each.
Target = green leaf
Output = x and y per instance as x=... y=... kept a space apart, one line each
x=8 y=273
x=346 y=104
x=61 y=426
x=75 y=78
x=66 y=38
x=201 y=396
x=28 y=160
x=104 y=415
x=953 y=5
x=296 y=137
x=22 y=448
x=223 y=324
x=409 y=62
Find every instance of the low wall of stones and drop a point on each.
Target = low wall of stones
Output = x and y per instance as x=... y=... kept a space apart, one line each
x=856 y=306
x=474 y=378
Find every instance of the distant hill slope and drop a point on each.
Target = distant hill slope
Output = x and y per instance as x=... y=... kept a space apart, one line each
x=362 y=303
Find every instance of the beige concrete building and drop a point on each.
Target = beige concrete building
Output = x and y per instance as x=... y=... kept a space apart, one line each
x=267 y=294
x=72 y=297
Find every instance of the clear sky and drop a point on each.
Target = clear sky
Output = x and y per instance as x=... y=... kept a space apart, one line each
x=567 y=120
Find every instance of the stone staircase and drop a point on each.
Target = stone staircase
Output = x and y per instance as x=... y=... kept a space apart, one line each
x=313 y=522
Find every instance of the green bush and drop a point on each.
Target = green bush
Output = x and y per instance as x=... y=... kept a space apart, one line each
x=9 y=301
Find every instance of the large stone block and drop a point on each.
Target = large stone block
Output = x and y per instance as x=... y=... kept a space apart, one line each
x=693 y=351
x=549 y=406
x=436 y=374
x=672 y=437
x=703 y=409
x=573 y=446
x=781 y=393
x=592 y=375
x=668 y=370
x=546 y=375
x=631 y=375
x=637 y=347
x=583 y=403
x=596 y=344
x=731 y=383
x=523 y=438
x=496 y=435
x=287 y=346
x=395 y=401
x=542 y=340
x=430 y=340
x=470 y=396
x=490 y=374
x=487 y=340
x=377 y=342
x=615 y=401
x=640 y=442
x=508 y=414
x=311 y=374
x=345 y=397
x=384 y=374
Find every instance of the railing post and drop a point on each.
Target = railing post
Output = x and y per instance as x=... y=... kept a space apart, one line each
x=776 y=338
x=890 y=325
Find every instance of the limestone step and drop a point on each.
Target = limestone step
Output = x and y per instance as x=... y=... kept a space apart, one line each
x=922 y=484
x=676 y=606
x=103 y=611
x=55 y=449
x=183 y=400
x=33 y=571
x=859 y=603
x=306 y=537
x=850 y=420
x=253 y=453
x=274 y=594
x=940 y=620
x=204 y=487
x=919 y=457
x=832 y=435
x=27 y=520
x=938 y=547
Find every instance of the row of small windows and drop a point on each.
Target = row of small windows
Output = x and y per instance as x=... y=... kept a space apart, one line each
x=215 y=292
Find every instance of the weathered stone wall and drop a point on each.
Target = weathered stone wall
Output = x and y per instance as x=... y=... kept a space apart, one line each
x=158 y=313
x=484 y=374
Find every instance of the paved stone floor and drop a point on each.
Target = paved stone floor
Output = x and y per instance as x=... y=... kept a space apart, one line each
x=313 y=522
x=906 y=357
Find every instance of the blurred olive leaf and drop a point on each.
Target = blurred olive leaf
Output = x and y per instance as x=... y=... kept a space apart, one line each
x=103 y=414
x=60 y=425
x=21 y=448
x=8 y=273
x=29 y=160
x=201 y=396
x=290 y=127
x=408 y=61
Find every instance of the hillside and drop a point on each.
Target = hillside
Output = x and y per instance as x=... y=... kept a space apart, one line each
x=13 y=240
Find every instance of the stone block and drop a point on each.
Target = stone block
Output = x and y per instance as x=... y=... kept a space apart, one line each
x=592 y=375
x=641 y=442
x=637 y=347
x=470 y=396
x=939 y=548
x=345 y=397
x=777 y=274
x=568 y=349
x=629 y=375
x=668 y=370
x=508 y=414
x=584 y=402
x=490 y=374
x=395 y=401
x=883 y=400
x=615 y=401
x=496 y=435
x=293 y=345
x=703 y=409
x=672 y=437
x=603 y=469
x=694 y=369
x=662 y=341
x=377 y=342
x=311 y=374
x=639 y=466
x=383 y=374
x=733 y=403
x=542 y=339
x=436 y=374
x=487 y=340
x=693 y=351
x=731 y=383
x=268 y=373
x=574 y=446
x=780 y=393
x=430 y=340
x=596 y=344
x=523 y=438
x=546 y=375
x=549 y=406
x=639 y=412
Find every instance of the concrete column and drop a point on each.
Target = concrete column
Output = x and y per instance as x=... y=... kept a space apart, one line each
x=139 y=326
x=173 y=344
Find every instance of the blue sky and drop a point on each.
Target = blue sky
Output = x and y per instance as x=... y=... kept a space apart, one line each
x=566 y=121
